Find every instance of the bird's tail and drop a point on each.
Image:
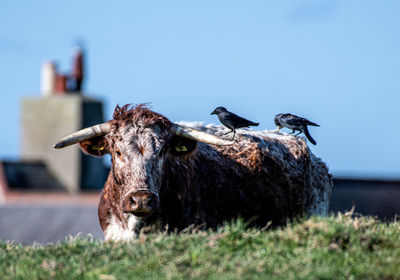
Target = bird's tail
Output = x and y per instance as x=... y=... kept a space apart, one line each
x=254 y=124
x=313 y=124
x=305 y=130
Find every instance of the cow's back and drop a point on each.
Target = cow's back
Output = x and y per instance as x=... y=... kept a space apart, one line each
x=264 y=175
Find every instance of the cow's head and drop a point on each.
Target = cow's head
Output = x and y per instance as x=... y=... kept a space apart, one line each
x=138 y=141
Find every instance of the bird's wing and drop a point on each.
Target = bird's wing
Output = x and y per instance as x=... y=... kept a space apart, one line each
x=289 y=119
x=296 y=120
x=239 y=121
x=307 y=122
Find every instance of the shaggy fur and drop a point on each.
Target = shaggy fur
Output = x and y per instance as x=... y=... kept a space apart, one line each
x=267 y=176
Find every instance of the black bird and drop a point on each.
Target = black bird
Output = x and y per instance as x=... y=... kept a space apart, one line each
x=294 y=122
x=231 y=120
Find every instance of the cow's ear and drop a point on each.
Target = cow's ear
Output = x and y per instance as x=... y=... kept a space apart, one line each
x=180 y=146
x=97 y=146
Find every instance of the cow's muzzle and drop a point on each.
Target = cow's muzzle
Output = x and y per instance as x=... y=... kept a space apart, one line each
x=140 y=203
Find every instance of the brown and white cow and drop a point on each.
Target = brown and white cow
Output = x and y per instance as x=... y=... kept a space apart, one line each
x=168 y=174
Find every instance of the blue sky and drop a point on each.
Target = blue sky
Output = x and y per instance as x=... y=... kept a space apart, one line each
x=334 y=62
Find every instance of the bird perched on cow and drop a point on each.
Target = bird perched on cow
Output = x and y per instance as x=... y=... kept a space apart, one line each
x=294 y=123
x=231 y=120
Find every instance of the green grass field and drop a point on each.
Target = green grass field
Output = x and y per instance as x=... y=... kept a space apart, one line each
x=340 y=247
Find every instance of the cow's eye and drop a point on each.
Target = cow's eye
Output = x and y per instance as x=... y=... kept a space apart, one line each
x=118 y=153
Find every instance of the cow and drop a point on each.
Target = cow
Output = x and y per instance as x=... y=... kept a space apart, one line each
x=172 y=175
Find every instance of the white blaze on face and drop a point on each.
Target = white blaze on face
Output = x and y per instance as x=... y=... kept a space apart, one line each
x=118 y=232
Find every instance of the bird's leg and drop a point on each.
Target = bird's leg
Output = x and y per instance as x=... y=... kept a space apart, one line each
x=278 y=128
x=298 y=133
x=228 y=132
x=293 y=131
x=234 y=131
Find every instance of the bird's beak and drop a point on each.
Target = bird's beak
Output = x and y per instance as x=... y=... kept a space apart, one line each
x=213 y=112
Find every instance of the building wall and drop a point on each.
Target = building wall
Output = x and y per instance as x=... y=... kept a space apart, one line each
x=45 y=120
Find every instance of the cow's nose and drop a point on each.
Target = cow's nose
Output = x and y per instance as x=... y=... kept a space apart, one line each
x=140 y=203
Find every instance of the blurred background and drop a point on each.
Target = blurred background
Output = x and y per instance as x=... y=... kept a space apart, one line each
x=333 y=62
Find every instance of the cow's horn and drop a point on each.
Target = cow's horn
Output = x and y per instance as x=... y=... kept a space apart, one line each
x=84 y=134
x=198 y=135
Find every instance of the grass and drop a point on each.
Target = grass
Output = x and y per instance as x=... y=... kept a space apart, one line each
x=335 y=247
